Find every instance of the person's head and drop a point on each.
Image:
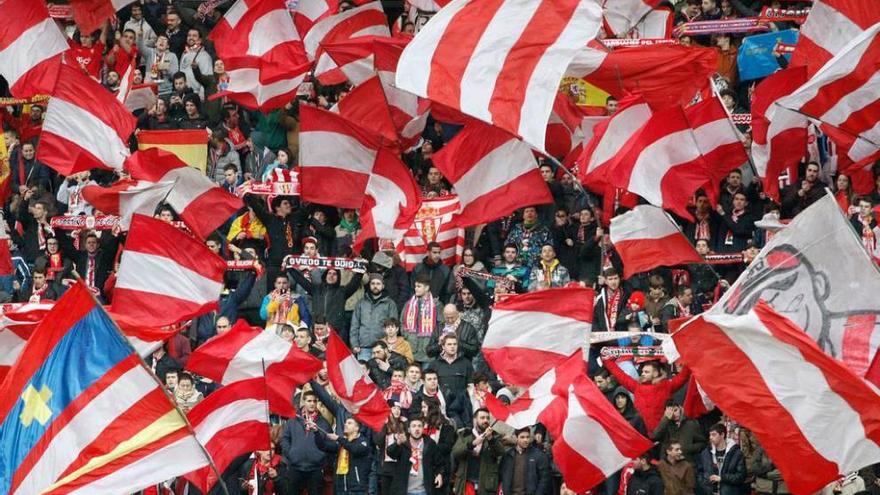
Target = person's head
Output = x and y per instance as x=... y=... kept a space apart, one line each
x=40 y=210
x=39 y=276
x=548 y=254
x=812 y=173
x=320 y=326
x=391 y=327
x=185 y=382
x=409 y=28
x=510 y=253
x=708 y=6
x=612 y=278
x=466 y=296
x=642 y=462
x=674 y=452
x=413 y=373
x=585 y=216
x=523 y=438
x=282 y=284
x=178 y=80
x=702 y=246
x=432 y=381
x=722 y=40
x=282 y=206
x=734 y=178
x=214 y=243
x=172 y=20
x=191 y=106
x=865 y=206
x=287 y=333
x=380 y=351
x=621 y=401
x=127 y=39
x=468 y=257
x=112 y=78
x=416 y=428
x=309 y=401
x=434 y=176
x=611 y=104
x=481 y=419
x=842 y=182
x=422 y=286
x=193 y=37
x=230 y=173
x=397 y=375
x=728 y=97
x=450 y=314
x=351 y=428
x=166 y=214
x=693 y=7
x=547 y=172
x=171 y=377
x=222 y=325
x=434 y=253
x=52 y=245
x=331 y=276
x=302 y=338
x=718 y=436
x=740 y=201
x=28 y=151
x=161 y=43
x=376 y=284
x=530 y=214
x=650 y=372
x=449 y=344
x=283 y=156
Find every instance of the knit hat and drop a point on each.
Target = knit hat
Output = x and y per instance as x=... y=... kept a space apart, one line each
x=637 y=297
x=375 y=276
x=383 y=260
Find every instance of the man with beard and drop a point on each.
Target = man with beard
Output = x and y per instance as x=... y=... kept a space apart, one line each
x=369 y=315
x=652 y=391
x=419 y=463
x=477 y=451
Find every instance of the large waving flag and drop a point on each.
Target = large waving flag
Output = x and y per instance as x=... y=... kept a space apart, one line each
x=646 y=237
x=82 y=414
x=30 y=48
x=357 y=393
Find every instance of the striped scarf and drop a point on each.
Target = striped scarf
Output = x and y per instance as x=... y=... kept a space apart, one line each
x=420 y=316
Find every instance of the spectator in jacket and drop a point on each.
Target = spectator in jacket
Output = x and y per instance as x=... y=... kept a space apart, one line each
x=529 y=236
x=383 y=364
x=396 y=343
x=328 y=298
x=623 y=402
x=282 y=227
x=722 y=466
x=674 y=427
x=677 y=307
x=468 y=340
x=645 y=479
x=549 y=272
x=282 y=306
x=651 y=391
x=477 y=451
x=418 y=467
x=608 y=314
x=369 y=316
x=353 y=458
x=525 y=469
x=677 y=473
x=40 y=289
x=419 y=317
x=305 y=460
x=737 y=225
x=453 y=369
x=510 y=268
x=96 y=262
x=433 y=269
x=768 y=479
x=798 y=196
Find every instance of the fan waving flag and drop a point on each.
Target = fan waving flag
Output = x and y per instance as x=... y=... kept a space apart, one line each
x=493 y=172
x=85 y=126
x=230 y=422
x=532 y=333
x=784 y=382
x=166 y=276
x=499 y=61
x=81 y=414
x=30 y=48
x=202 y=204
x=126 y=198
x=646 y=237
x=358 y=394
x=248 y=352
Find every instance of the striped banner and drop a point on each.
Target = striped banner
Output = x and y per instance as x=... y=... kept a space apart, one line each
x=191 y=146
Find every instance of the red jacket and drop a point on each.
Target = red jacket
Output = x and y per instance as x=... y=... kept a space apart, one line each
x=649 y=399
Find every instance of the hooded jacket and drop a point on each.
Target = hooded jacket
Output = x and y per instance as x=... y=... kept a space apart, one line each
x=732 y=471
x=645 y=483
x=328 y=300
x=367 y=318
x=629 y=412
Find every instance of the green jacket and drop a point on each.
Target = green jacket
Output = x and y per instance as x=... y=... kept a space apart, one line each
x=490 y=457
x=688 y=433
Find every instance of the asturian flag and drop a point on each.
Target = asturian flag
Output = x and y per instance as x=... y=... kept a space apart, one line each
x=81 y=414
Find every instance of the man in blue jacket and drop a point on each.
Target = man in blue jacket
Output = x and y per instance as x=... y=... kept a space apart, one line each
x=299 y=445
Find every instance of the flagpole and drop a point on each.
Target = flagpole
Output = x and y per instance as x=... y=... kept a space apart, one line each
x=161 y=386
x=574 y=179
x=732 y=125
x=268 y=414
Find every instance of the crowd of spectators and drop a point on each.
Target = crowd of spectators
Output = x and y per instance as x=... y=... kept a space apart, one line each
x=417 y=333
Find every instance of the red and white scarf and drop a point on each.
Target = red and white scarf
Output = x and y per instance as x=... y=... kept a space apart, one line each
x=420 y=321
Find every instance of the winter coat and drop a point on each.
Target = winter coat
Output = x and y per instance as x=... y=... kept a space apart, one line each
x=468 y=340
x=439 y=275
x=360 y=462
x=367 y=318
x=432 y=465
x=558 y=276
x=688 y=433
x=529 y=246
x=328 y=300
x=490 y=454
x=537 y=478
x=678 y=479
x=732 y=471
x=649 y=399
x=645 y=483
x=300 y=447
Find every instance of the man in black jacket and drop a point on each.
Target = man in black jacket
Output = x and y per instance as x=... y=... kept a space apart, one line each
x=722 y=466
x=468 y=339
x=524 y=468
x=353 y=459
x=419 y=465
x=645 y=479
x=283 y=228
x=305 y=461
x=96 y=262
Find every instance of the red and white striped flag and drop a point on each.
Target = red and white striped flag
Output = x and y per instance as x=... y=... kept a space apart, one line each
x=259 y=28
x=676 y=152
x=596 y=441
x=166 y=276
x=126 y=198
x=843 y=94
x=829 y=27
x=500 y=62
x=17 y=323
x=202 y=204
x=433 y=223
x=260 y=85
x=367 y=106
x=623 y=15
x=30 y=48
x=249 y=352
x=367 y=20
x=357 y=393
x=343 y=166
x=779 y=143
x=356 y=57
x=645 y=238
x=530 y=334
x=85 y=126
x=493 y=173
x=230 y=422
x=564 y=130
x=784 y=382
x=308 y=12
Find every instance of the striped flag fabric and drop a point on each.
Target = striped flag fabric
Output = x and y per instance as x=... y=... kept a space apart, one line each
x=85 y=126
x=30 y=48
x=230 y=422
x=71 y=406
x=202 y=204
x=259 y=85
x=17 y=323
x=784 y=382
x=830 y=25
x=165 y=275
x=843 y=94
x=125 y=198
x=623 y=15
x=258 y=28
x=353 y=386
x=530 y=334
x=366 y=20
x=500 y=61
x=493 y=173
x=308 y=12
x=243 y=351
x=433 y=223
x=646 y=237
x=190 y=146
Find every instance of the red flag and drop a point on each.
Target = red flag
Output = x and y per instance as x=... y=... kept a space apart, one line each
x=830 y=25
x=91 y=14
x=126 y=198
x=244 y=352
x=166 y=276
x=784 y=382
x=259 y=28
x=360 y=396
x=17 y=324
x=645 y=238
x=493 y=172
x=30 y=48
x=230 y=422
x=368 y=19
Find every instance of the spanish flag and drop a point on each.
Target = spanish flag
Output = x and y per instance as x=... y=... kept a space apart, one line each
x=191 y=146
x=5 y=171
